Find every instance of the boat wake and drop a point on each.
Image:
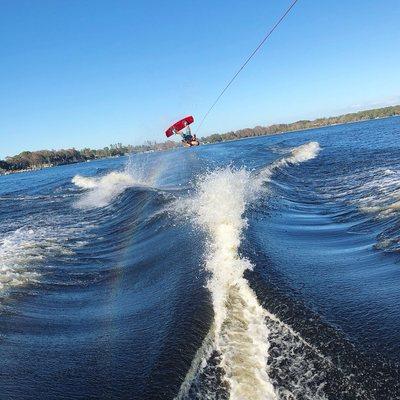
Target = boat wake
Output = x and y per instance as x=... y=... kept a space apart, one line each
x=235 y=354
x=101 y=191
x=221 y=272
x=375 y=193
x=25 y=251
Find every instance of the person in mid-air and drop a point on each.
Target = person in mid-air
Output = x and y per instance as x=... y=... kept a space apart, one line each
x=187 y=137
x=182 y=128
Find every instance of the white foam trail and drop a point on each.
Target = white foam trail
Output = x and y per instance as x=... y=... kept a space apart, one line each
x=381 y=194
x=239 y=332
x=373 y=191
x=16 y=250
x=21 y=251
x=240 y=335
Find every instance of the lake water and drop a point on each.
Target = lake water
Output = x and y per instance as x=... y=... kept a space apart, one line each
x=264 y=268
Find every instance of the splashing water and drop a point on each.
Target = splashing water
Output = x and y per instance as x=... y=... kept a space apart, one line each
x=303 y=153
x=239 y=335
x=23 y=250
x=102 y=190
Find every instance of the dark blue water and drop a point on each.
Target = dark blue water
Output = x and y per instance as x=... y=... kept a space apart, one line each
x=254 y=269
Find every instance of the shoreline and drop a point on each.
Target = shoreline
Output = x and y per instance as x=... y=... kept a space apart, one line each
x=298 y=130
x=47 y=166
x=11 y=172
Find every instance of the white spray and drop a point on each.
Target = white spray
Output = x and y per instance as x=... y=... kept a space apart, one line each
x=101 y=191
x=239 y=333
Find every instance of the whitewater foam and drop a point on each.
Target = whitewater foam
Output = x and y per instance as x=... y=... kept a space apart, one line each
x=303 y=153
x=22 y=250
x=381 y=194
x=372 y=191
x=239 y=334
x=296 y=155
x=16 y=251
x=101 y=191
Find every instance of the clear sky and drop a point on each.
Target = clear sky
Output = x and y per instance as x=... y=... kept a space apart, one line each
x=90 y=73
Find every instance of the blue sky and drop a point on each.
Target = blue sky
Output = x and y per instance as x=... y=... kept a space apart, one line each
x=90 y=73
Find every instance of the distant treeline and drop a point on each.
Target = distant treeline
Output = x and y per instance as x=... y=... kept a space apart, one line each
x=303 y=124
x=28 y=160
x=47 y=158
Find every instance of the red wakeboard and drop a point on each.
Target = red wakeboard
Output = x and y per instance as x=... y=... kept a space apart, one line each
x=178 y=126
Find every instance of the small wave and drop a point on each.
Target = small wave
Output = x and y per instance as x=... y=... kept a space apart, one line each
x=300 y=153
x=238 y=343
x=303 y=153
x=102 y=191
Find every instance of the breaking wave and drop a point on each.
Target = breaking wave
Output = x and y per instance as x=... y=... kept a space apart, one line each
x=101 y=191
x=235 y=354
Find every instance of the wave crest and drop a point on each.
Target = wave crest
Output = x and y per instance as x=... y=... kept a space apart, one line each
x=101 y=191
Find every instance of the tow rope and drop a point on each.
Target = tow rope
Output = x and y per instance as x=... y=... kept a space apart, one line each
x=246 y=62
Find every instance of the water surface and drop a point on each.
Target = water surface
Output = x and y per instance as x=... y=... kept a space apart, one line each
x=264 y=268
